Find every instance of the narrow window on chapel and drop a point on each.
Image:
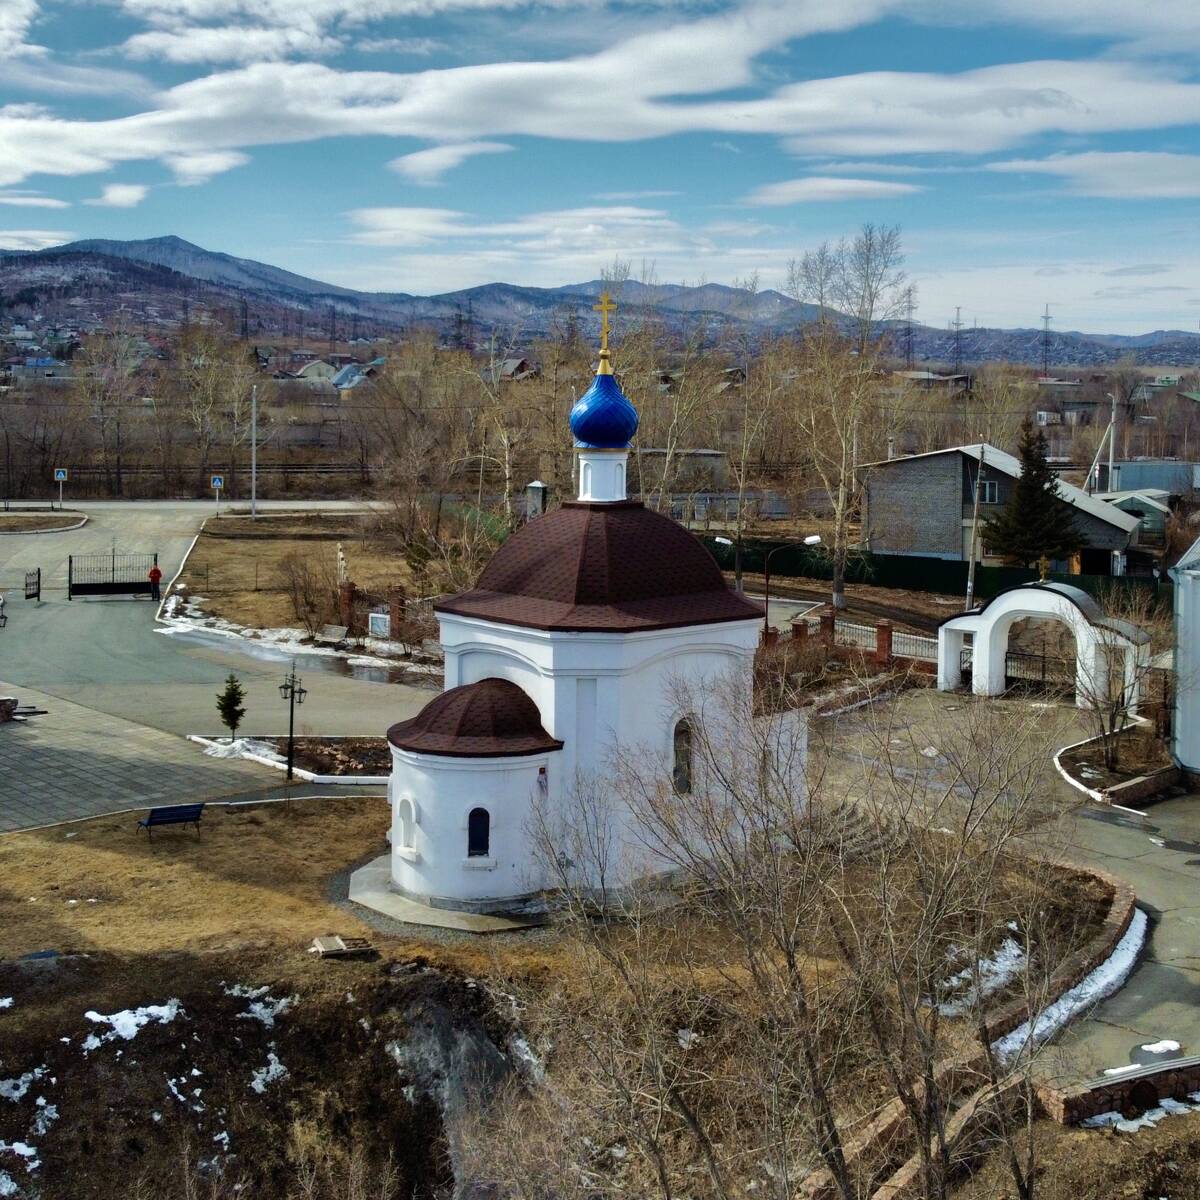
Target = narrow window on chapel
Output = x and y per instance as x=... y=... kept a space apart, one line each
x=479 y=828
x=681 y=774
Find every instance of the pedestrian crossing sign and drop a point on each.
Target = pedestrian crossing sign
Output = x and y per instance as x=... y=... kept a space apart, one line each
x=218 y=482
x=60 y=474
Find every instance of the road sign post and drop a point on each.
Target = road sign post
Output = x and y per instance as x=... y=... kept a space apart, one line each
x=218 y=482
x=60 y=477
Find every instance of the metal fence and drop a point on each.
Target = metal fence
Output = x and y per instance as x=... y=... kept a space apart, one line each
x=846 y=633
x=109 y=574
x=915 y=645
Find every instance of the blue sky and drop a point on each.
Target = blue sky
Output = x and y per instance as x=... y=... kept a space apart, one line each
x=1033 y=152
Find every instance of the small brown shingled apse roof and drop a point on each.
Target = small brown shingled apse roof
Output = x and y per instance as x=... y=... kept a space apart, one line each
x=611 y=567
x=489 y=719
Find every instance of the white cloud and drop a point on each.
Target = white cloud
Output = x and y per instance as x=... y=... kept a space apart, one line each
x=120 y=195
x=32 y=239
x=201 y=166
x=417 y=47
x=426 y=167
x=230 y=43
x=1122 y=175
x=16 y=19
x=815 y=189
x=30 y=200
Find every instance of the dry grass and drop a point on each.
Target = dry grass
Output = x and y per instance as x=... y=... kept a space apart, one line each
x=254 y=875
x=1081 y=1164
x=18 y=522
x=255 y=880
x=236 y=562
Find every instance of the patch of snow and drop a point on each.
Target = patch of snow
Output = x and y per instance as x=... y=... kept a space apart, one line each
x=15 y=1089
x=273 y=1071
x=1101 y=1120
x=241 y=748
x=222 y=1140
x=125 y=1024
x=929 y=752
x=267 y=1009
x=6 y=1002
x=1121 y=1070
x=995 y=972
x=1163 y=1047
x=527 y=1059
x=7 y=1186
x=23 y=1150
x=47 y=1114
x=1102 y=982
x=156 y=1117
x=90 y=1043
x=686 y=1038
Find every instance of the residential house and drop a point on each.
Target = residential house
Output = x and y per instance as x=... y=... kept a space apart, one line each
x=1152 y=506
x=1171 y=475
x=923 y=504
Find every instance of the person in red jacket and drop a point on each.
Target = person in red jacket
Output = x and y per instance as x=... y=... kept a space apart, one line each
x=155 y=581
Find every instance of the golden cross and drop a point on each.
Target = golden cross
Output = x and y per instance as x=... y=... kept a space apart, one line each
x=604 y=308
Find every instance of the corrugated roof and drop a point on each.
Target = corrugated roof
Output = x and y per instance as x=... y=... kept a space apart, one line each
x=1190 y=559
x=1008 y=465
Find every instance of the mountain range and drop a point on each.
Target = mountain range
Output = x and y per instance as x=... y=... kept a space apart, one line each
x=157 y=281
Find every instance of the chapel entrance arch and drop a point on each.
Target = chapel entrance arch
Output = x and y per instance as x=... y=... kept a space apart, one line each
x=1108 y=652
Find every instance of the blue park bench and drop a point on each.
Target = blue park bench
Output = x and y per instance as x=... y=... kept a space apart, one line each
x=172 y=814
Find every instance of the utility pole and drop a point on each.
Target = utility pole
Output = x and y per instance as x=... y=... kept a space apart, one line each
x=1112 y=437
x=1046 y=343
x=245 y=320
x=958 y=340
x=974 y=531
x=254 y=452
x=908 y=333
x=332 y=330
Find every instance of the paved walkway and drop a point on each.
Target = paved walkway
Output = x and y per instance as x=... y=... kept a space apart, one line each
x=75 y=762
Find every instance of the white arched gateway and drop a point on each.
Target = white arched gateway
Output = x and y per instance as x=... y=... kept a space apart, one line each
x=1098 y=640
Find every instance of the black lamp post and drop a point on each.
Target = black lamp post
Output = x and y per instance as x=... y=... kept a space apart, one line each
x=811 y=540
x=291 y=691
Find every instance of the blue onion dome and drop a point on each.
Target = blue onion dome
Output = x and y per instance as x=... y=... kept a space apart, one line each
x=603 y=418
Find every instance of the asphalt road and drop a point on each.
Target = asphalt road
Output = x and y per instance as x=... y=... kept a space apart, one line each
x=105 y=653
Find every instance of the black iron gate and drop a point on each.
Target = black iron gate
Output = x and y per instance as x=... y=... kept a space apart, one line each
x=110 y=574
x=33 y=584
x=1038 y=672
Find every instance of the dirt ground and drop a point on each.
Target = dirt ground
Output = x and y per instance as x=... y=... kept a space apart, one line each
x=928 y=605
x=340 y=756
x=1139 y=753
x=235 y=564
x=18 y=522
x=1162 y=1163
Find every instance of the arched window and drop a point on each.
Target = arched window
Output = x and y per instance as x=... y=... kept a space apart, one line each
x=404 y=823
x=681 y=771
x=479 y=833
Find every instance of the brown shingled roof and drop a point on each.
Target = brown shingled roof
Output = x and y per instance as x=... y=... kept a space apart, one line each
x=489 y=719
x=609 y=567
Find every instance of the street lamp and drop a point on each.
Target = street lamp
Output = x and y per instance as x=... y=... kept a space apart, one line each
x=813 y=539
x=291 y=691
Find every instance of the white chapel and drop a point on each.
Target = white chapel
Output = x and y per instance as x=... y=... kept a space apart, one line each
x=571 y=646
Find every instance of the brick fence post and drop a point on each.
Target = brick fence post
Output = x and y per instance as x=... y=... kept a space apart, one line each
x=770 y=637
x=397 y=612
x=827 y=619
x=799 y=630
x=883 y=643
x=346 y=603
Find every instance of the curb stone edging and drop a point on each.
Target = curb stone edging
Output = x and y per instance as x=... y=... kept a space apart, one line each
x=35 y=532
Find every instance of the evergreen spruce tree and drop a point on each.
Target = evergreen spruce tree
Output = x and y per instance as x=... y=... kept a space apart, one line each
x=1035 y=521
x=229 y=705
